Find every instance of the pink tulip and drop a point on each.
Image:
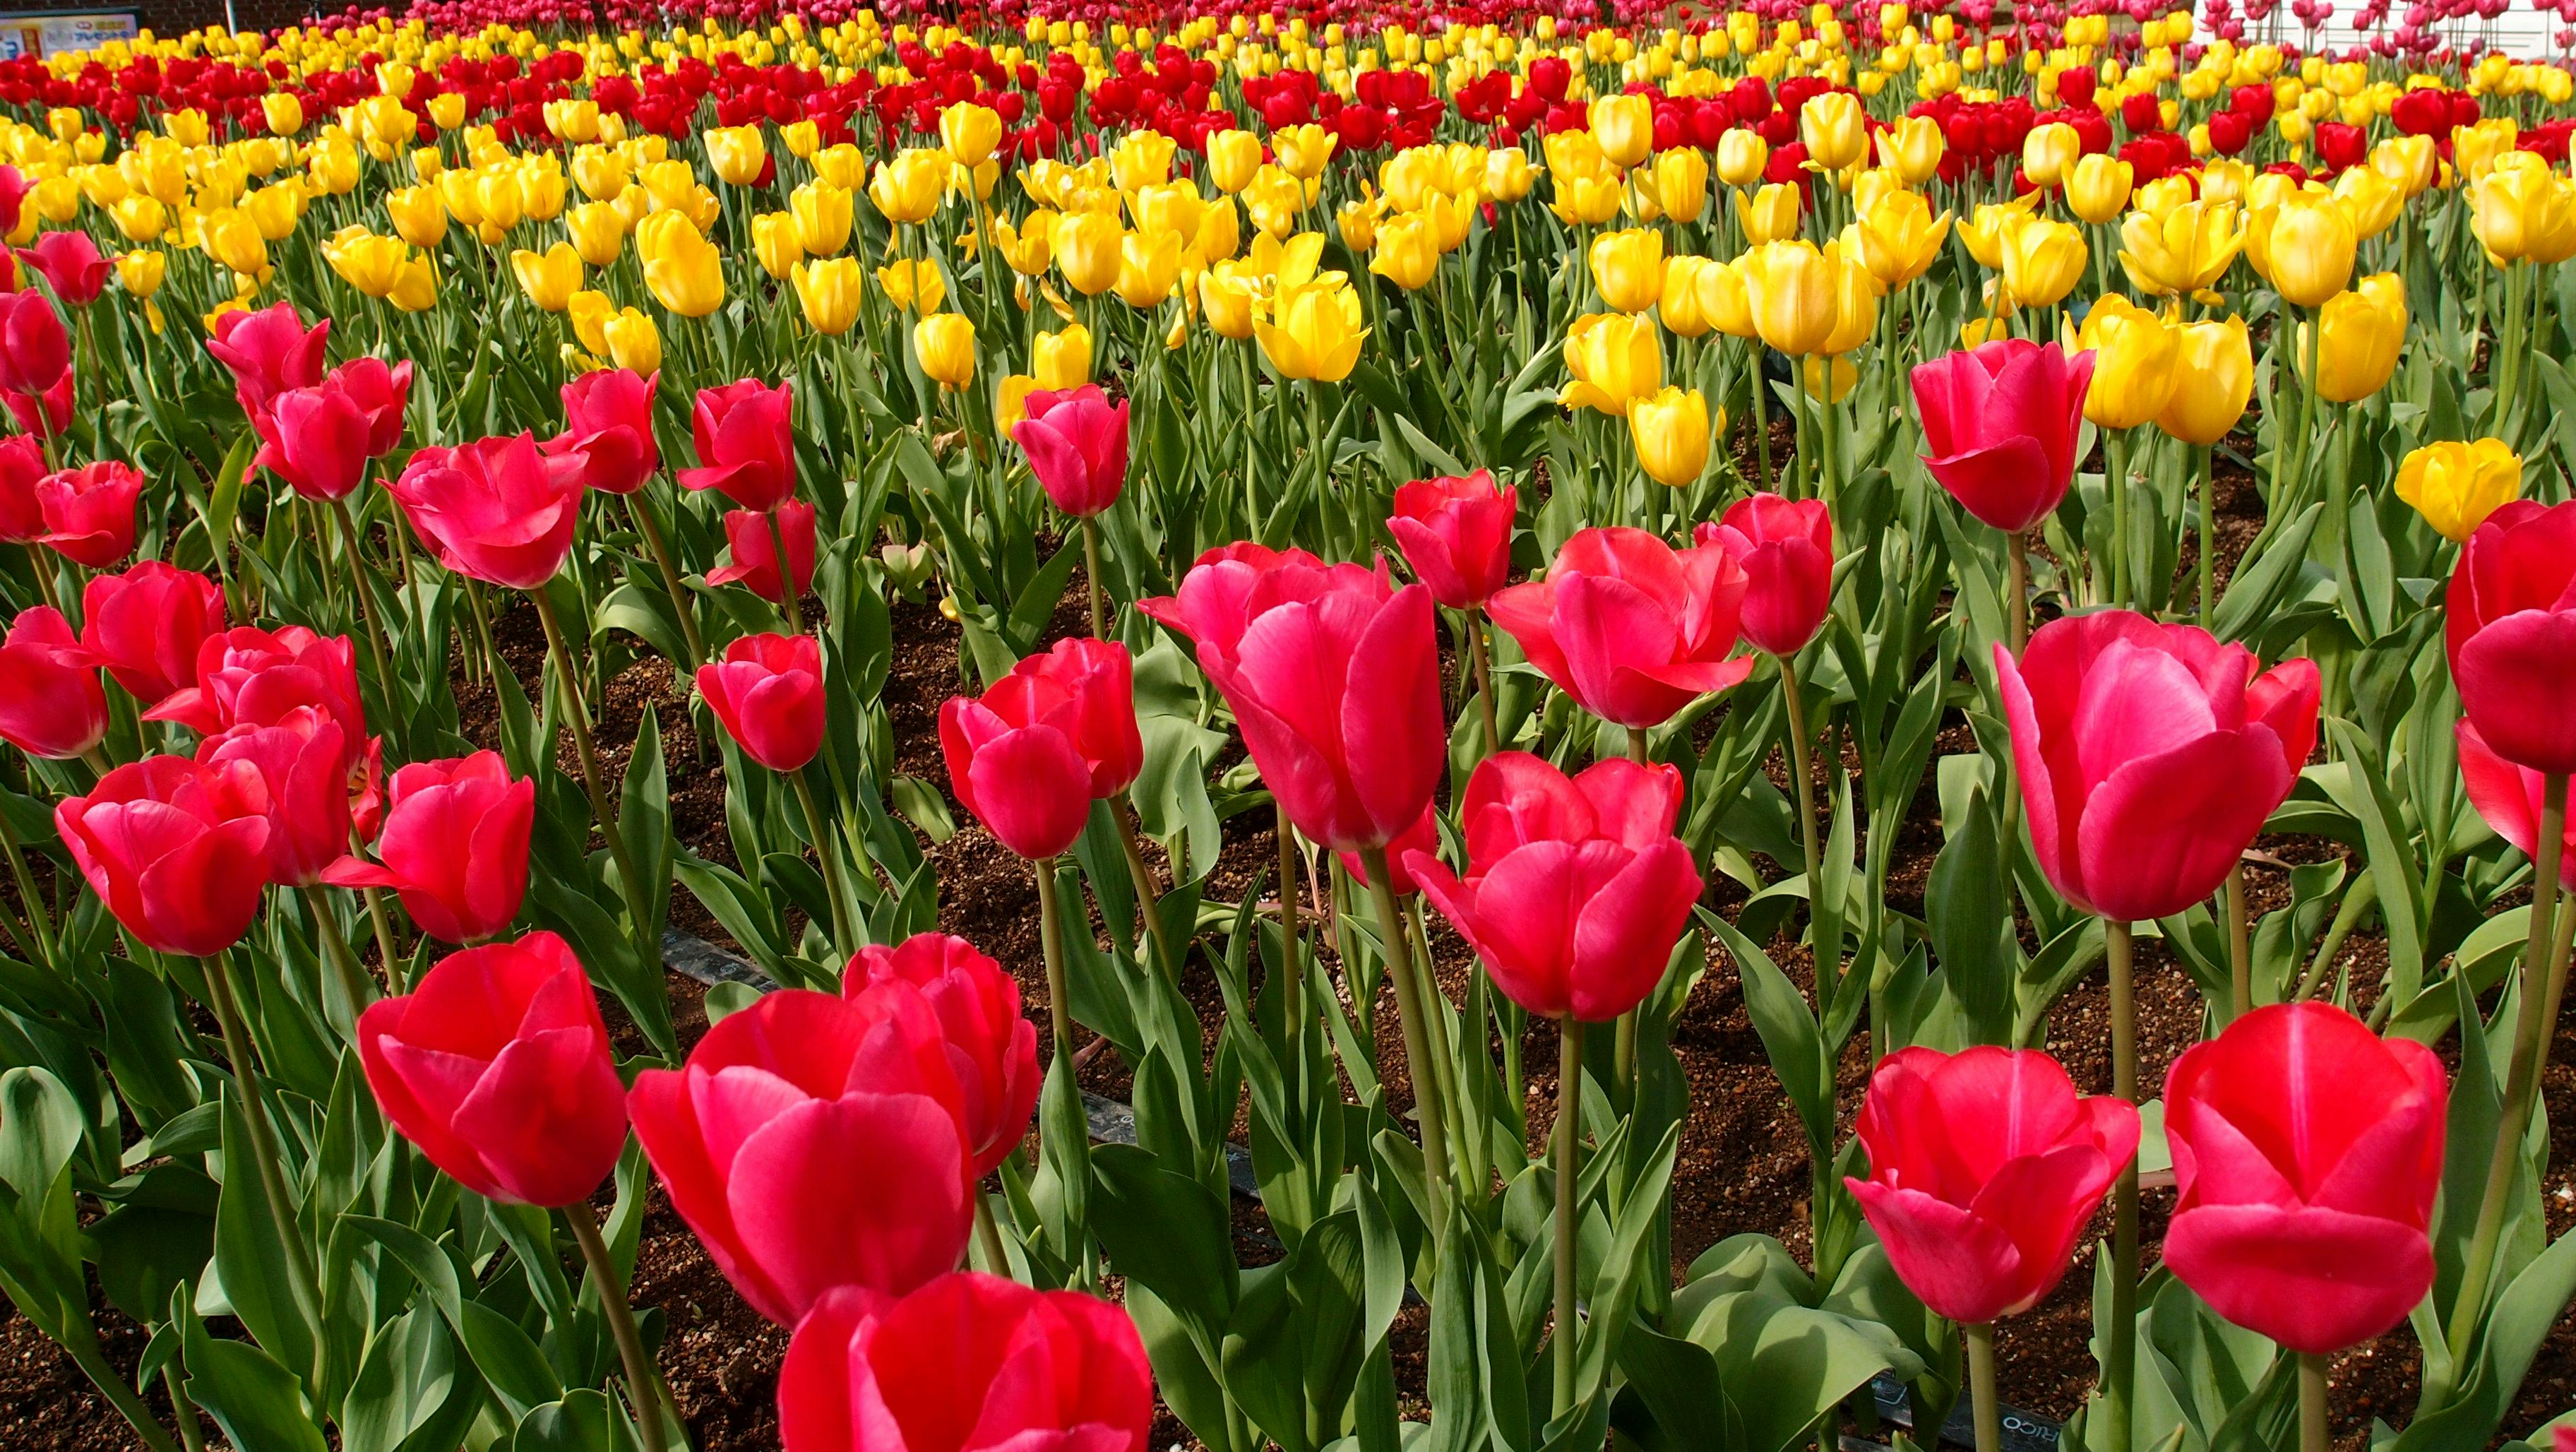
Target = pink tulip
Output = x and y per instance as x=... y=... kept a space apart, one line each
x=746 y=445
x=2149 y=756
x=2510 y=798
x=47 y=414
x=608 y=420
x=1077 y=446
x=315 y=439
x=269 y=352
x=1422 y=836
x=797 y=1144
x=22 y=464
x=1984 y=1168
x=1456 y=533
x=304 y=763
x=1333 y=676
x=1028 y=757
x=967 y=1363
x=147 y=625
x=768 y=695
x=496 y=510
x=71 y=265
x=2511 y=634
x=51 y=704
x=991 y=1047
x=177 y=851
x=755 y=549
x=1786 y=549
x=2307 y=1151
x=35 y=352
x=89 y=512
x=1630 y=627
x=454 y=847
x=1576 y=888
x=2001 y=422
x=247 y=674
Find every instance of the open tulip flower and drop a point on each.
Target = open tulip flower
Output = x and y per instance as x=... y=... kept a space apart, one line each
x=454 y=846
x=498 y=510
x=247 y=674
x=177 y=850
x=268 y=351
x=1630 y=627
x=1028 y=757
x=2511 y=630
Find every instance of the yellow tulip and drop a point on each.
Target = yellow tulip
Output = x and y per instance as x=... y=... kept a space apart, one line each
x=822 y=212
x=589 y=311
x=549 y=278
x=417 y=291
x=1149 y=266
x=2048 y=153
x=736 y=153
x=1855 y=303
x=233 y=240
x=1407 y=254
x=1357 y=221
x=1624 y=126
x=1229 y=296
x=447 y=110
x=2409 y=161
x=1772 y=214
x=140 y=273
x=2372 y=201
x=2306 y=248
x=365 y=261
x=1028 y=247
x=1987 y=228
x=2134 y=360
x=1087 y=249
x=634 y=344
x=274 y=210
x=1232 y=158
x=1722 y=300
x=2213 y=377
x=1671 y=431
x=2455 y=486
x=1898 y=239
x=683 y=270
x=1829 y=380
x=600 y=172
x=1313 y=331
x=597 y=231
x=1141 y=159
x=574 y=120
x=802 y=139
x=945 y=345
x=912 y=286
x=1410 y=174
x=1062 y=360
x=1742 y=157
x=1011 y=402
x=140 y=218
x=1586 y=198
x=1628 y=268
x=1303 y=150
x=2043 y=260
x=2098 y=188
x=1912 y=148
x=1679 y=181
x=1509 y=176
x=283 y=111
x=1834 y=128
x=1613 y=358
x=1678 y=308
x=774 y=242
x=2360 y=333
x=2184 y=251
x=2523 y=214
x=829 y=289
x=969 y=133
x=907 y=188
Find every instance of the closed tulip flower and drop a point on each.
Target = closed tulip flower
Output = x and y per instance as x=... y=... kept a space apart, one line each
x=736 y=153
x=1679 y=180
x=1912 y=147
x=2372 y=202
x=775 y=246
x=683 y=270
x=752 y=544
x=2512 y=799
x=454 y=846
x=1587 y=198
x=992 y=1047
x=1456 y=533
x=1786 y=549
x=907 y=188
x=2097 y=190
x=320 y=439
x=1855 y=305
x=71 y=265
x=2360 y=335
x=2307 y=1151
x=1723 y=300
x=268 y=352
x=2213 y=379
x=2183 y=251
x=1406 y=252
x=2524 y=214
x=1771 y=214
x=549 y=278
x=2042 y=262
x=420 y=218
x=597 y=231
x=823 y=213
x=1742 y=156
x=35 y=351
x=2001 y=422
x=802 y=1145
x=1984 y=1168
x=829 y=291
x=1791 y=288
x=608 y=423
x=2307 y=249
x=869 y=1373
x=2456 y=486
x=283 y=111
x=1149 y=267
x=51 y=704
x=177 y=851
x=1313 y=331
x=22 y=464
x=1232 y=158
x=2049 y=153
x=1613 y=357
x=1088 y=251
x=945 y=345
x=1834 y=129
x=1028 y=757
x=767 y=693
x=1076 y=443
x=2134 y=357
x=1576 y=888
x=1625 y=128
x=498 y=510
x=89 y=512
x=304 y=762
x=1061 y=361
x=1628 y=268
x=2149 y=756
x=145 y=626
x=746 y=442
x=1631 y=628
x=1334 y=678
x=1670 y=430
x=251 y=675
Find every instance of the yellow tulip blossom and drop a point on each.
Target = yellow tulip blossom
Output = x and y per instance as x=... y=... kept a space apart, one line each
x=2455 y=486
x=823 y=214
x=1062 y=360
x=2360 y=334
x=829 y=290
x=1312 y=331
x=2214 y=376
x=1671 y=430
x=683 y=270
x=2134 y=362
x=549 y=278
x=1613 y=358
x=1628 y=268
x=912 y=286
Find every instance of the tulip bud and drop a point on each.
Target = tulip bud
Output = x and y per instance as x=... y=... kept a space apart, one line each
x=1786 y=549
x=945 y=345
x=1456 y=533
x=1029 y=756
x=2213 y=379
x=753 y=543
x=767 y=693
x=2455 y=486
x=51 y=704
x=454 y=846
x=1671 y=430
x=746 y=443
x=177 y=851
x=1077 y=447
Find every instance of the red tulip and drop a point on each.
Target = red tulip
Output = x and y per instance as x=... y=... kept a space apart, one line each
x=2149 y=756
x=454 y=847
x=1630 y=627
x=303 y=763
x=767 y=693
x=269 y=352
x=1984 y=1168
x=804 y=1156
x=746 y=444
x=2307 y=1151
x=495 y=509
x=608 y=421
x=1786 y=549
x=1335 y=679
x=2510 y=797
x=147 y=624
x=177 y=851
x=2511 y=634
x=497 y=1067
x=315 y=439
x=89 y=512
x=968 y=1363
x=22 y=463
x=247 y=674
x=1422 y=836
x=2001 y=421
x=1029 y=755
x=51 y=704
x=1456 y=533
x=14 y=187
x=71 y=265
x=47 y=414
x=1077 y=446
x=35 y=352
x=991 y=1048
x=755 y=549
x=1576 y=889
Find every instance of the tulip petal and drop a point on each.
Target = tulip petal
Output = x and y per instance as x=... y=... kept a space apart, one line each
x=868 y=1189
x=1959 y=1265
x=2515 y=685
x=1625 y=934
x=2161 y=833
x=2315 y=1280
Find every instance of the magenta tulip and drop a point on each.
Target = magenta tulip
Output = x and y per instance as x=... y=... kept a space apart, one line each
x=35 y=352
x=1630 y=627
x=992 y=1049
x=177 y=851
x=304 y=763
x=497 y=509
x=1786 y=550
x=454 y=847
x=2149 y=756
x=1077 y=446
x=2307 y=1151
x=749 y=533
x=1456 y=533
x=767 y=693
x=22 y=464
x=746 y=444
x=47 y=414
x=608 y=421
x=2001 y=421
x=269 y=351
x=2511 y=634
x=89 y=512
x=1031 y=753
x=1984 y=1168
x=51 y=704
x=2510 y=798
x=147 y=625
x=247 y=674
x=70 y=264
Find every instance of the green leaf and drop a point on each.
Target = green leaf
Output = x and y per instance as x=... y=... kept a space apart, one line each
x=250 y=1260
x=259 y=1404
x=1789 y=1032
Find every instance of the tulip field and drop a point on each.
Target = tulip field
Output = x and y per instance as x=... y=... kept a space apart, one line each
x=1456 y=728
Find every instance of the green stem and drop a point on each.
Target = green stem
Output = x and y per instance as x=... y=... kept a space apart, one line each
x=38 y=922
x=2240 y=945
x=1051 y=945
x=1417 y=1045
x=1569 y=1150
x=2121 y=1350
x=1292 y=987
x=85 y=1351
x=1480 y=654
x=1443 y=1057
x=335 y=946
x=1987 y=1410
x=2017 y=589
x=1761 y=417
x=843 y=939
x=368 y=625
x=300 y=1280
x=1123 y=813
x=2115 y=463
x=643 y=1386
x=2312 y=1402
x=382 y=923
x=660 y=548
x=988 y=1236
x=1091 y=577
x=192 y=1433
x=1803 y=771
x=601 y=807
x=2208 y=537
